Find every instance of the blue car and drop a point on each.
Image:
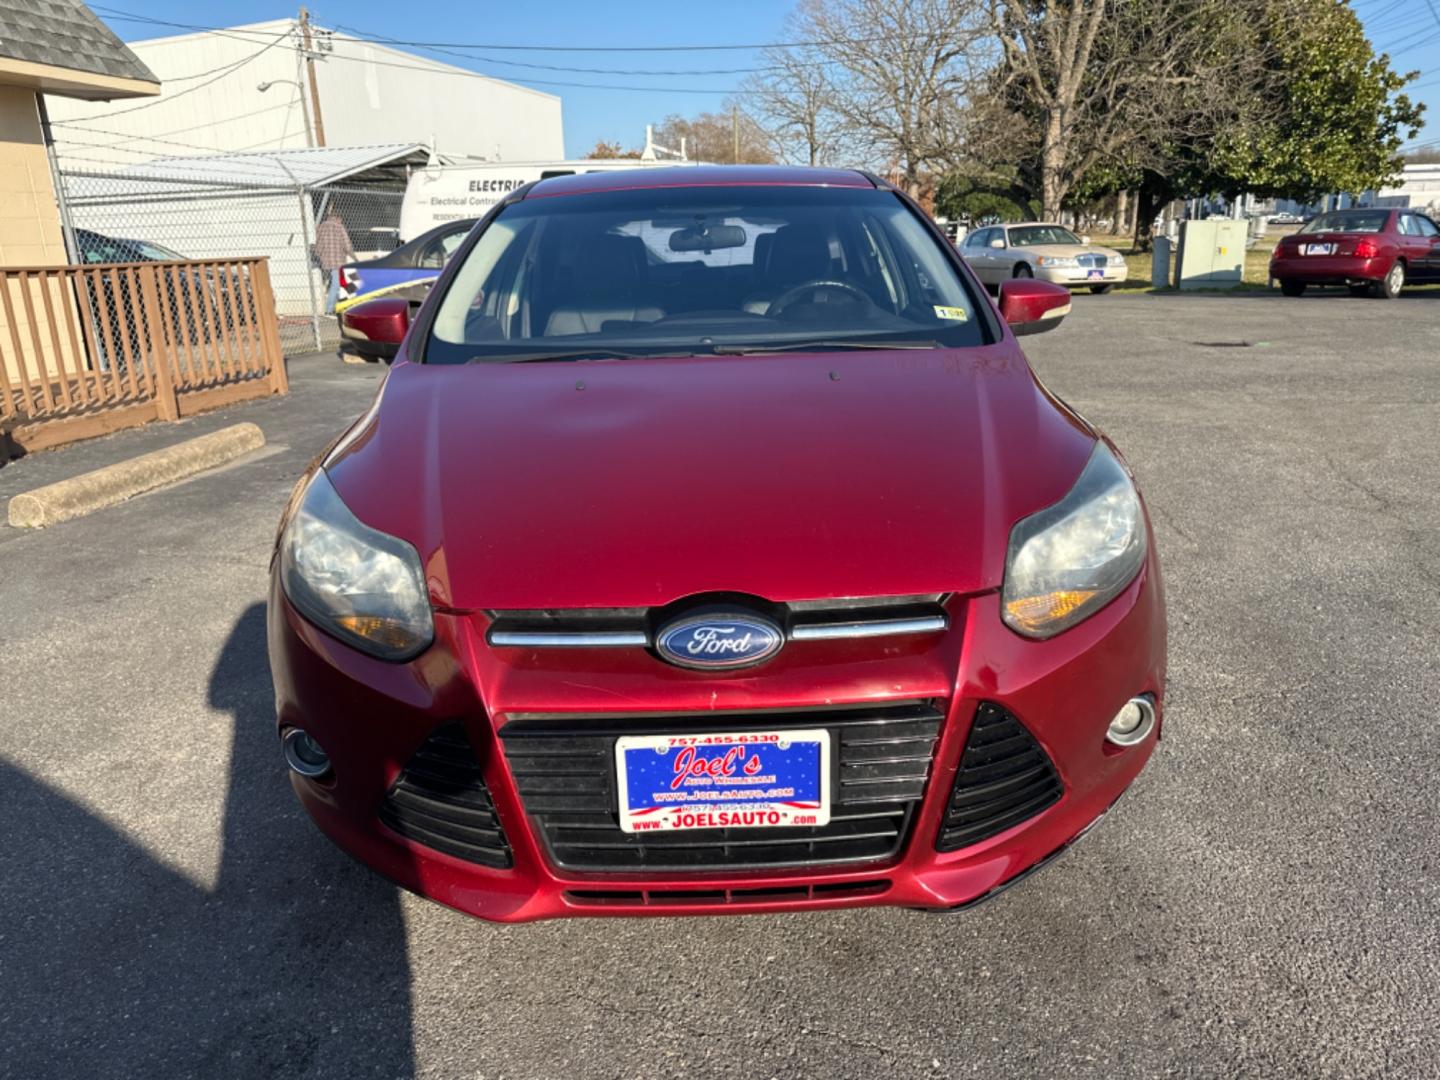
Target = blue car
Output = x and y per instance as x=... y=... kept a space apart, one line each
x=408 y=271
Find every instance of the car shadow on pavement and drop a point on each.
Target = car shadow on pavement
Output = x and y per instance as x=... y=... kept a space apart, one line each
x=114 y=964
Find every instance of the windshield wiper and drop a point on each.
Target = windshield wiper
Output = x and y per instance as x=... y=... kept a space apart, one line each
x=553 y=354
x=823 y=346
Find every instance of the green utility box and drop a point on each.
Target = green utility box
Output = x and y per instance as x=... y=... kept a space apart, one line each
x=1212 y=254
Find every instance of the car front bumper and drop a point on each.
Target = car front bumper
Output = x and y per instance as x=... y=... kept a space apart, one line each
x=1079 y=276
x=372 y=716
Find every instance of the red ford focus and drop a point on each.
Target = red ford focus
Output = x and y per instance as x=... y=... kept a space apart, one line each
x=711 y=547
x=1375 y=252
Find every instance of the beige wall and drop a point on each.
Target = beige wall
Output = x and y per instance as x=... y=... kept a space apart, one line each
x=29 y=222
x=29 y=232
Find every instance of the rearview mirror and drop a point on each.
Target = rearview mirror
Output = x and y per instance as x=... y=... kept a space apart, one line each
x=384 y=320
x=1031 y=306
x=707 y=238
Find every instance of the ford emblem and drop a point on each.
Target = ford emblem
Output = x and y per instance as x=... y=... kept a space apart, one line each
x=719 y=641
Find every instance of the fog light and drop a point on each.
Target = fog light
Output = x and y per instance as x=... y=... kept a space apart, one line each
x=1133 y=722
x=303 y=754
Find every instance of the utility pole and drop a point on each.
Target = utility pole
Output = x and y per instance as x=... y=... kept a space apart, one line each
x=310 y=77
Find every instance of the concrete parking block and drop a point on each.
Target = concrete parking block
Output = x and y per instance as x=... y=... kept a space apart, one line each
x=84 y=494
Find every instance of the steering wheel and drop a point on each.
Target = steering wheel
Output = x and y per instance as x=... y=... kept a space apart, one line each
x=791 y=296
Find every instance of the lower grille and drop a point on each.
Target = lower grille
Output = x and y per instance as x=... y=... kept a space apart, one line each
x=1005 y=778
x=564 y=768
x=440 y=800
x=842 y=890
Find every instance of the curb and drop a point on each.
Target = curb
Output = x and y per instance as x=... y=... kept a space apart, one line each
x=88 y=492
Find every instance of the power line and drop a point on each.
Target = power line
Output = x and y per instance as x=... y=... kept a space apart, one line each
x=222 y=72
x=75 y=126
x=115 y=146
x=462 y=73
x=453 y=50
x=446 y=70
x=497 y=47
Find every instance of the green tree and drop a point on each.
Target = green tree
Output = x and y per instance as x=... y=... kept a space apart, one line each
x=962 y=195
x=1324 y=114
x=1188 y=97
x=1336 y=119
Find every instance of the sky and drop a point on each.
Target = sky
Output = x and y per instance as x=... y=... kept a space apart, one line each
x=1409 y=30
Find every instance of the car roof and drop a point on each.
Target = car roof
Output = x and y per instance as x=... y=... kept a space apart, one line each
x=679 y=176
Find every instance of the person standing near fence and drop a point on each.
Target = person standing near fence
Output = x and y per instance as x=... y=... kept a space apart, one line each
x=332 y=251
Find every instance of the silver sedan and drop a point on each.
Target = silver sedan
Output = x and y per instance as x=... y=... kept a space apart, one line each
x=1050 y=252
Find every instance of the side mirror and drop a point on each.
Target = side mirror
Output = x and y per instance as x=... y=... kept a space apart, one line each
x=384 y=321
x=1085 y=239
x=1031 y=306
x=997 y=243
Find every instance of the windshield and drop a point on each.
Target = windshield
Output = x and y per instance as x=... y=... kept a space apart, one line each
x=1040 y=235
x=105 y=249
x=1348 y=221
x=701 y=270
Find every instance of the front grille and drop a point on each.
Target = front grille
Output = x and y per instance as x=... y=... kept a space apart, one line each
x=1005 y=777
x=564 y=768
x=799 y=619
x=440 y=800
x=1090 y=260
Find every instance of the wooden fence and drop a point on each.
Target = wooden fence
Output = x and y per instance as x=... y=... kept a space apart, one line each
x=85 y=350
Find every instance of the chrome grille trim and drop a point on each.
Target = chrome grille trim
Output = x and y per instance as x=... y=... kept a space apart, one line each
x=876 y=628
x=850 y=618
x=635 y=639
x=591 y=639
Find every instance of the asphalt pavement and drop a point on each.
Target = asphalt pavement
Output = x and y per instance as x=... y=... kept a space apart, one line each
x=1264 y=902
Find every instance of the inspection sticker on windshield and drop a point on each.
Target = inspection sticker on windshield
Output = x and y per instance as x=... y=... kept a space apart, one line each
x=753 y=779
x=959 y=314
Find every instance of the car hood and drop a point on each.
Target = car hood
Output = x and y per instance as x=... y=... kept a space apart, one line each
x=1067 y=251
x=637 y=482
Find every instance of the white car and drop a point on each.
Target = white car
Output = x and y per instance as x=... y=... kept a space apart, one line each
x=1046 y=251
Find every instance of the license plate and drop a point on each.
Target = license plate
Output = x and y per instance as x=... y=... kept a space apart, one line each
x=754 y=779
x=1319 y=249
x=1096 y=274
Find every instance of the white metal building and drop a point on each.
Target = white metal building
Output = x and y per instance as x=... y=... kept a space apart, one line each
x=1419 y=189
x=211 y=102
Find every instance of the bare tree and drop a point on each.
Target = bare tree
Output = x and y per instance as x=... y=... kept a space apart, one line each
x=892 y=75
x=605 y=149
x=793 y=100
x=1048 y=47
x=729 y=137
x=1112 y=84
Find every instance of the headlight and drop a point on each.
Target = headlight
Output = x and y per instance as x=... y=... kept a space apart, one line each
x=1069 y=560
x=1056 y=260
x=363 y=586
x=1115 y=260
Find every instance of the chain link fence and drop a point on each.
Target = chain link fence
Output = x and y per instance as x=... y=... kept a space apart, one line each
x=183 y=214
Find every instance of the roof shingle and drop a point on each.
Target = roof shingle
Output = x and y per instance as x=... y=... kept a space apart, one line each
x=66 y=34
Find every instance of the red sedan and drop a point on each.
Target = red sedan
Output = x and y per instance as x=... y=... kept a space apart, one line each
x=1374 y=252
x=711 y=547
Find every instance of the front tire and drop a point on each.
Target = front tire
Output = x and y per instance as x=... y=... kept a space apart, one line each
x=1024 y=271
x=1292 y=288
x=1388 y=287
